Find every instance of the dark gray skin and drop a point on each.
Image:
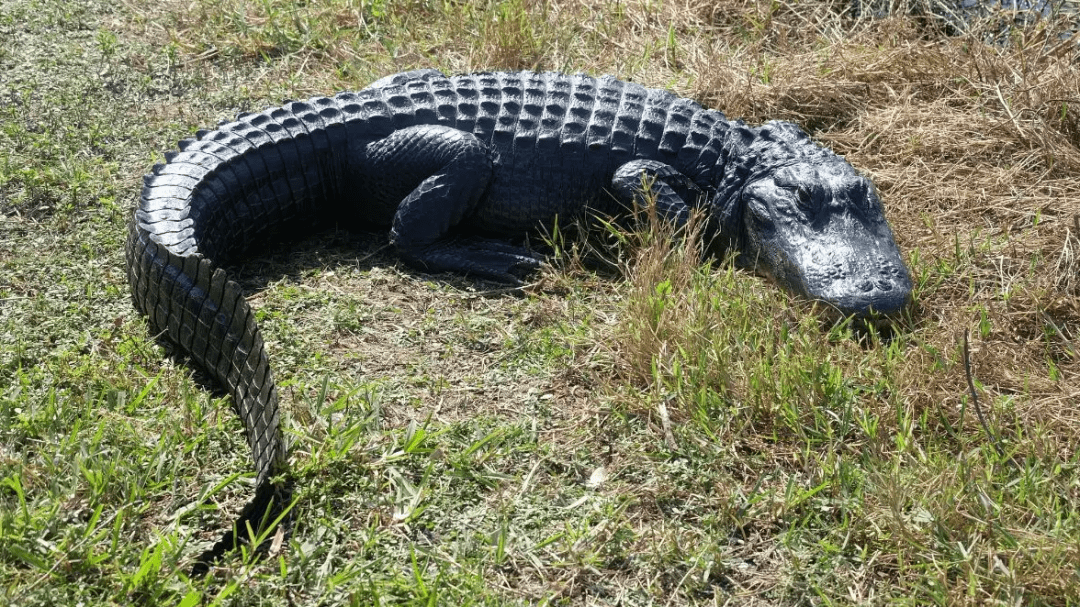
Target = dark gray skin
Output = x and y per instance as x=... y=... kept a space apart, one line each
x=452 y=167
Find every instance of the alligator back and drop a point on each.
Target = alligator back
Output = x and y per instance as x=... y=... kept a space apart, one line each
x=556 y=139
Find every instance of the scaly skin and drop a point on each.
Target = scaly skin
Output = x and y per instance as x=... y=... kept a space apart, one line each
x=445 y=164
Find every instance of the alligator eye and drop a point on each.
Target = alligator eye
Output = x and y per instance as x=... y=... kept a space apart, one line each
x=802 y=194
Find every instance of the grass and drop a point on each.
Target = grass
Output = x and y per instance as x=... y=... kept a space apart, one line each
x=682 y=434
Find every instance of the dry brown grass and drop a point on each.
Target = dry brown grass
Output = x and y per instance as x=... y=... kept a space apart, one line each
x=975 y=148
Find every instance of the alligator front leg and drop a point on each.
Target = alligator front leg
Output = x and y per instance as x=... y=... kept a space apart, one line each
x=444 y=173
x=673 y=192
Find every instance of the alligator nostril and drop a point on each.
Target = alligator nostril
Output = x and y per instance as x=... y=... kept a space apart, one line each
x=884 y=285
x=866 y=285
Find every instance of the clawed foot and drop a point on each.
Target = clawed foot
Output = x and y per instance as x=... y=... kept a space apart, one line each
x=490 y=259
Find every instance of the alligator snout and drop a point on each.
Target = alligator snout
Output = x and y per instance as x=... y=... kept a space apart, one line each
x=887 y=293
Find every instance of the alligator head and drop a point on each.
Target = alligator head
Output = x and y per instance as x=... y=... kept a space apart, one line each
x=818 y=228
x=802 y=216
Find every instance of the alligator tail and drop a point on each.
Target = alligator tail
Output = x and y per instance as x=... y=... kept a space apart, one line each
x=201 y=311
x=225 y=192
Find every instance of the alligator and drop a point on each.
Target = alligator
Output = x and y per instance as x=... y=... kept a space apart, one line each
x=452 y=167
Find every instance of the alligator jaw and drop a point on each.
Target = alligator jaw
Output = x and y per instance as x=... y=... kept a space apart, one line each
x=819 y=229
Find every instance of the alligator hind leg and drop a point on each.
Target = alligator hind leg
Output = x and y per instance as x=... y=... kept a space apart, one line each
x=673 y=192
x=442 y=173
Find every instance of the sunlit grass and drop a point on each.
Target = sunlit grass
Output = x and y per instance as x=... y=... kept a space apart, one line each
x=636 y=428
